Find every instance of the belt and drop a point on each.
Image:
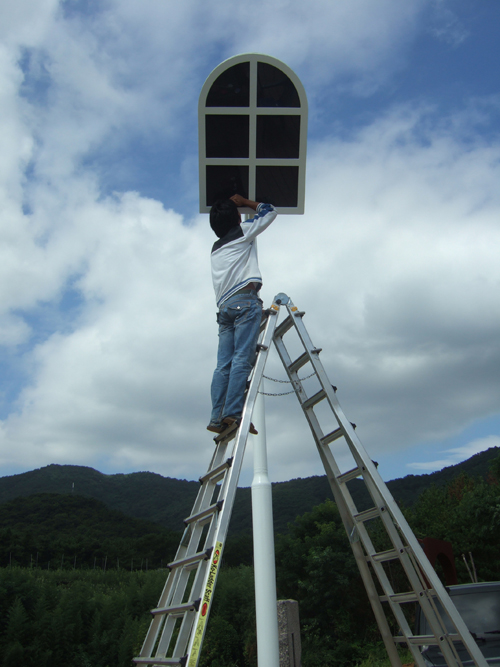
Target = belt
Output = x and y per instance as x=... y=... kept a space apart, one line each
x=251 y=287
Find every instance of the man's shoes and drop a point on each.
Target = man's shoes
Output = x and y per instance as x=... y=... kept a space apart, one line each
x=237 y=420
x=216 y=428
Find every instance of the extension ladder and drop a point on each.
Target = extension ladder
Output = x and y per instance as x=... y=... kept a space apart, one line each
x=176 y=632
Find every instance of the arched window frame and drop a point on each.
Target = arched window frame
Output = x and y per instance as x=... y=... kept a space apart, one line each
x=252 y=162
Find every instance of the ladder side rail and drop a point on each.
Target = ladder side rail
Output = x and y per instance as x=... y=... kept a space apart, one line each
x=190 y=541
x=421 y=593
x=358 y=532
x=199 y=581
x=196 y=586
x=151 y=637
x=419 y=586
x=172 y=579
x=175 y=585
x=363 y=460
x=157 y=628
x=233 y=472
x=166 y=636
x=346 y=509
x=360 y=557
x=194 y=594
x=190 y=617
x=179 y=578
x=361 y=545
x=391 y=515
x=451 y=638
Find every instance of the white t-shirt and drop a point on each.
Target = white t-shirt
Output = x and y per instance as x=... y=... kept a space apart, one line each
x=234 y=257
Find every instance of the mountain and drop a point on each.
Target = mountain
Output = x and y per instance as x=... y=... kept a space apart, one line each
x=143 y=495
x=167 y=501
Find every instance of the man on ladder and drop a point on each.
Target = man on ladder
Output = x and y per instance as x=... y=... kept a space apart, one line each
x=237 y=280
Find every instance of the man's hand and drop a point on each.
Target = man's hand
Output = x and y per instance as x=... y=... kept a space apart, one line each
x=241 y=202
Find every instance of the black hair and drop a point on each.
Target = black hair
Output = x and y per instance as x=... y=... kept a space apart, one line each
x=224 y=216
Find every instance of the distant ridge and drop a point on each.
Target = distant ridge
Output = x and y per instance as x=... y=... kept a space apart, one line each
x=167 y=501
x=143 y=495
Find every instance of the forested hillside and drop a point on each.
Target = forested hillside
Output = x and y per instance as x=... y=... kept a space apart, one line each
x=51 y=530
x=167 y=501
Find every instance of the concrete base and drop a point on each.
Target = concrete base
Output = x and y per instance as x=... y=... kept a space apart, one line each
x=289 y=633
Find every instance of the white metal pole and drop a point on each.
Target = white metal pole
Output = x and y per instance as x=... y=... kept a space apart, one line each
x=263 y=544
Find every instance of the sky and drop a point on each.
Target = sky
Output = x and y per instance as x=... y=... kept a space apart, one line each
x=107 y=315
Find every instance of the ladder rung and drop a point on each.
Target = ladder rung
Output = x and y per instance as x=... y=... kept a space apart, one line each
x=383 y=556
x=204 y=513
x=228 y=434
x=201 y=555
x=319 y=396
x=334 y=435
x=400 y=598
x=424 y=640
x=299 y=362
x=372 y=513
x=179 y=609
x=216 y=471
x=161 y=661
x=285 y=326
x=350 y=474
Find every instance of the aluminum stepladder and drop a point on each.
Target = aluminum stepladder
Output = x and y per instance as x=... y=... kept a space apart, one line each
x=178 y=626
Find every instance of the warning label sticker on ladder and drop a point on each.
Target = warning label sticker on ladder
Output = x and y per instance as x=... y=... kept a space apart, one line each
x=205 y=605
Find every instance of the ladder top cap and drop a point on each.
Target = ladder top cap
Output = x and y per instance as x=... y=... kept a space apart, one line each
x=281 y=299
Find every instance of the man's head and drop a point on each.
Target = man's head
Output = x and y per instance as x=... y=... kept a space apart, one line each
x=224 y=215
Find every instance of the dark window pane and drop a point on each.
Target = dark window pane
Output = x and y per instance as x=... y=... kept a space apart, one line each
x=274 y=88
x=278 y=136
x=225 y=181
x=226 y=136
x=277 y=185
x=231 y=88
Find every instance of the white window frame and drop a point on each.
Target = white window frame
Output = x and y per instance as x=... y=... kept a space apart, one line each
x=253 y=111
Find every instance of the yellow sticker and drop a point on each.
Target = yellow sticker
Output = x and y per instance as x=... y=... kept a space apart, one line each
x=205 y=605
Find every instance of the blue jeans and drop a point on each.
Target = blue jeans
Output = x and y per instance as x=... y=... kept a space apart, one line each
x=239 y=321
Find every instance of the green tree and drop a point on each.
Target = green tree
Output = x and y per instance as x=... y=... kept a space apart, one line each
x=14 y=655
x=17 y=634
x=316 y=567
x=230 y=638
x=466 y=513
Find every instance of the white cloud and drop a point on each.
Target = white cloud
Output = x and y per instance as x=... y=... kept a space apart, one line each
x=125 y=380
x=394 y=262
x=137 y=68
x=26 y=21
